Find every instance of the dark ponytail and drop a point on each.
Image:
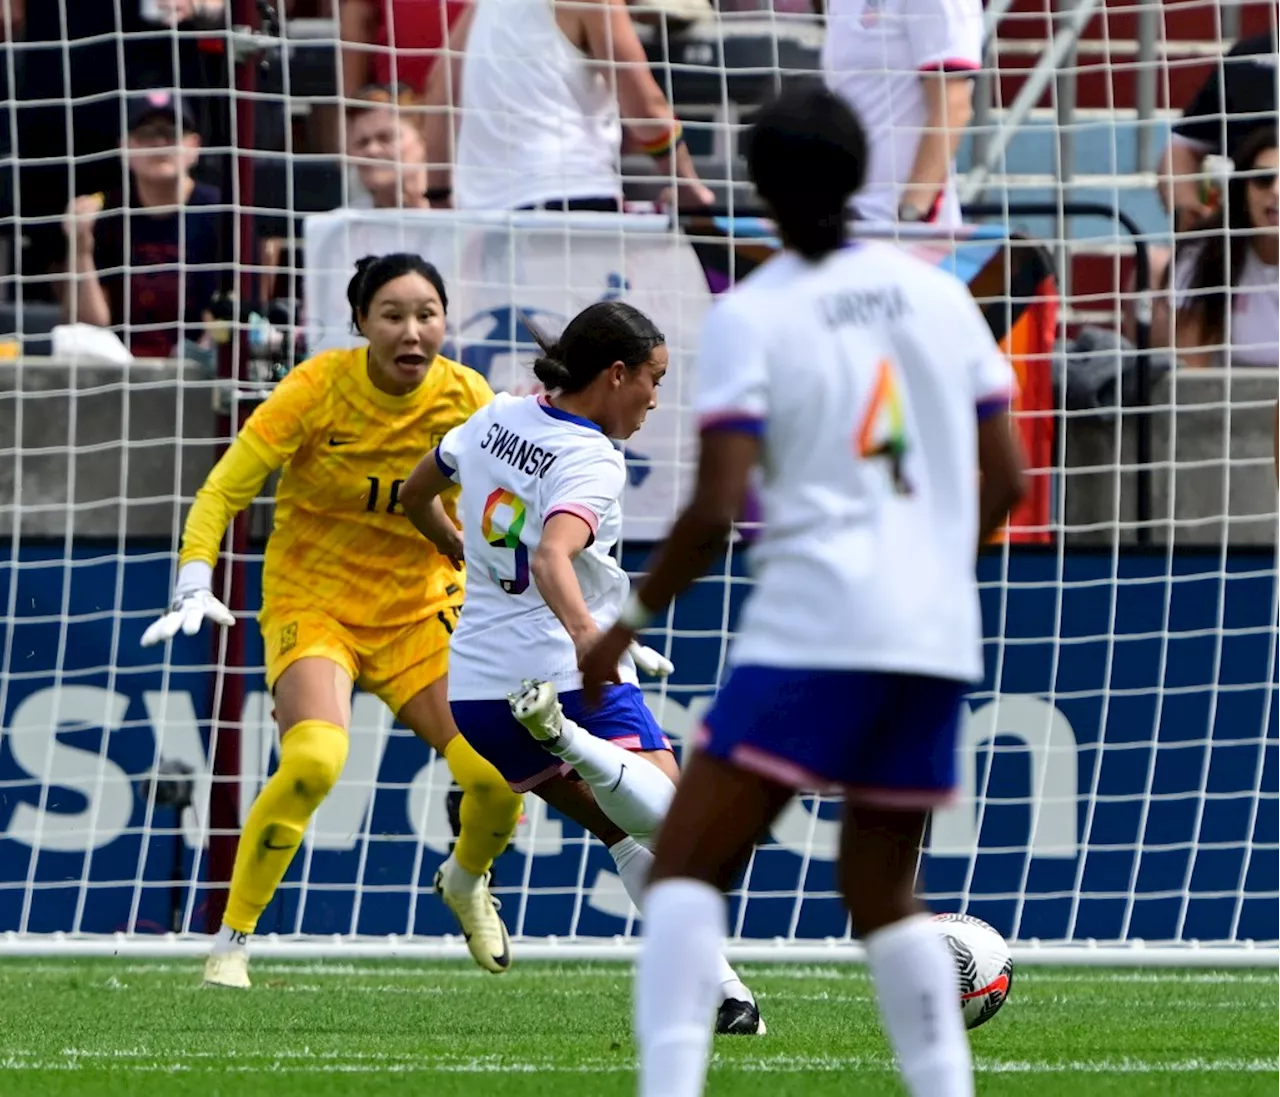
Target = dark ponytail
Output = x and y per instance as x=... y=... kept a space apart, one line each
x=601 y=334
x=807 y=154
x=1219 y=261
x=375 y=271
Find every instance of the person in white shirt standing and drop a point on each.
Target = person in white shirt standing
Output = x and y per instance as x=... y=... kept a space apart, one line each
x=906 y=68
x=867 y=386
x=536 y=87
x=541 y=513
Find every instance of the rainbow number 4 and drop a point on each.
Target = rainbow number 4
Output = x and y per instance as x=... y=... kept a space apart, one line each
x=501 y=525
x=883 y=431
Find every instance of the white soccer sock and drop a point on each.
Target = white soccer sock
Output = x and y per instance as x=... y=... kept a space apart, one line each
x=634 y=862
x=634 y=793
x=919 y=995
x=229 y=940
x=676 y=986
x=454 y=878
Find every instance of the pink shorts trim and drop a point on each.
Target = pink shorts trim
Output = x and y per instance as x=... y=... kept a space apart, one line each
x=786 y=772
x=632 y=742
x=554 y=770
x=578 y=511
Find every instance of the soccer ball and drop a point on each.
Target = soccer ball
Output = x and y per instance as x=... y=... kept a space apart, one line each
x=983 y=963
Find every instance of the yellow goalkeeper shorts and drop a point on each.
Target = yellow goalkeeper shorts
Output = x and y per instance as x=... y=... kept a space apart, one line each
x=395 y=663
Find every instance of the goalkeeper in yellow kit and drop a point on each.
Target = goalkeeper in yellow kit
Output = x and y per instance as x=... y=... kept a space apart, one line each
x=352 y=593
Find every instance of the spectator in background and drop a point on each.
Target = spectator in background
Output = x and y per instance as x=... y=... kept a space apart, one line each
x=147 y=260
x=537 y=87
x=386 y=144
x=92 y=51
x=1238 y=96
x=906 y=67
x=1226 y=292
x=393 y=41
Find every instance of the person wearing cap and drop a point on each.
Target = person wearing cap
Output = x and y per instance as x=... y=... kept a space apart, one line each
x=146 y=260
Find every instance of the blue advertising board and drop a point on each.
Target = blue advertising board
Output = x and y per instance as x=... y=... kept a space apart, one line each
x=1122 y=781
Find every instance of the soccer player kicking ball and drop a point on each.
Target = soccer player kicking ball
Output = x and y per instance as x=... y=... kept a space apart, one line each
x=541 y=483
x=351 y=594
x=866 y=385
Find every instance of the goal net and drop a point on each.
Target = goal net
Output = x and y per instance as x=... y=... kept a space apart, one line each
x=1119 y=766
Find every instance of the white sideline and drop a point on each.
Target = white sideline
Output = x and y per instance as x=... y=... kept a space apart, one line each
x=549 y=948
x=213 y=1063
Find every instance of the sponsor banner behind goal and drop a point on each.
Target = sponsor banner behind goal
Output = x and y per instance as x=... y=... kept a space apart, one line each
x=1120 y=768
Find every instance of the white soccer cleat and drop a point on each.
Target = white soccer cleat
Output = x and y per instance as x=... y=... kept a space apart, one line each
x=537 y=707
x=477 y=913
x=227 y=969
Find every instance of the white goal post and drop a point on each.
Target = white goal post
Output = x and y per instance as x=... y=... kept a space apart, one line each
x=1120 y=761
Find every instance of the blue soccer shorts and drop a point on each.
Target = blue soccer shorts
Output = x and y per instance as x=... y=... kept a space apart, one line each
x=621 y=717
x=885 y=740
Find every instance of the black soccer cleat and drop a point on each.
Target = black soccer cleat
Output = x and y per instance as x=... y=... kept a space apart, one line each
x=738 y=1018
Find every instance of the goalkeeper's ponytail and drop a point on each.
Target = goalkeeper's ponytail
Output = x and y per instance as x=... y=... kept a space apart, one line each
x=807 y=154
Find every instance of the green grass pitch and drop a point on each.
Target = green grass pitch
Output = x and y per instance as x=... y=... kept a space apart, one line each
x=74 y=1028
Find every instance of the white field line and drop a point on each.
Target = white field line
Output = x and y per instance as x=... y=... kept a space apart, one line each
x=299 y=1063
x=461 y=970
x=1028 y=998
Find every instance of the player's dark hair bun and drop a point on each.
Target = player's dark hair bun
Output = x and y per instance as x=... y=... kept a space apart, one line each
x=550 y=370
x=807 y=154
x=375 y=271
x=601 y=334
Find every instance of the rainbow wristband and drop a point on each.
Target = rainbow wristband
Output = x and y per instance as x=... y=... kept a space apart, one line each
x=666 y=142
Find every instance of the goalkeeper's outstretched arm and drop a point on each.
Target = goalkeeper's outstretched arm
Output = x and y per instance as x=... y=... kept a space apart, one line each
x=231 y=486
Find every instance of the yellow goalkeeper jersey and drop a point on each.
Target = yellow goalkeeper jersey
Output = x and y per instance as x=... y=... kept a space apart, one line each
x=341 y=542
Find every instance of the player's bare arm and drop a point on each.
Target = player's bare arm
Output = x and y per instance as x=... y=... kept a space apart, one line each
x=420 y=500
x=564 y=536
x=701 y=531
x=1003 y=479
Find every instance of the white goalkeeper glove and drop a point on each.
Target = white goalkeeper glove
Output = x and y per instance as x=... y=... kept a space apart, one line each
x=653 y=663
x=193 y=601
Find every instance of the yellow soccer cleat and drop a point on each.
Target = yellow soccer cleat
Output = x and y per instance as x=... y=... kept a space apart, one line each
x=227 y=969
x=477 y=913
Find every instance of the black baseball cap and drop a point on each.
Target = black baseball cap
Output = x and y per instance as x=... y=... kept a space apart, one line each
x=160 y=103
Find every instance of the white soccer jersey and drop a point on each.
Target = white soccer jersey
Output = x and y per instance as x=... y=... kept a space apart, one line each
x=866 y=374
x=873 y=56
x=1253 y=336
x=519 y=461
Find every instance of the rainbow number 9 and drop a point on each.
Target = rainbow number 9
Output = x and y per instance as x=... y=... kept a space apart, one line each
x=504 y=517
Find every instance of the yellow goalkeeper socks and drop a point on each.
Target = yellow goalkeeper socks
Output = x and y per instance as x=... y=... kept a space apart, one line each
x=312 y=754
x=489 y=810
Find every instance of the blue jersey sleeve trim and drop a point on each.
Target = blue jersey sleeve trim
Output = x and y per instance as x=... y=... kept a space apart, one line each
x=992 y=405
x=741 y=424
x=444 y=466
